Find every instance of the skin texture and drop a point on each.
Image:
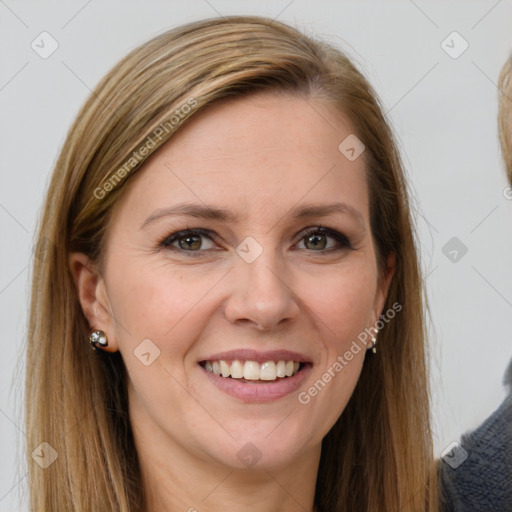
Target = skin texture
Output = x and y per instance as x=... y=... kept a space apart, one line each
x=260 y=156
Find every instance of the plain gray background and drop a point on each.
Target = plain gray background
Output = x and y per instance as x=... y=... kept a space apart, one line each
x=443 y=110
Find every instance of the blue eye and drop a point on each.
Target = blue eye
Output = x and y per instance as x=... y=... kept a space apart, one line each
x=190 y=240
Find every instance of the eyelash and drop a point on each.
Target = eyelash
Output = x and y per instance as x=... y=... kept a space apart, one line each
x=339 y=237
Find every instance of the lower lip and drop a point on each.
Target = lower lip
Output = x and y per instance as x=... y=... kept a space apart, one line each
x=256 y=393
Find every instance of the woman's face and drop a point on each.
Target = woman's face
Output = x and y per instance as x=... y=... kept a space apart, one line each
x=251 y=287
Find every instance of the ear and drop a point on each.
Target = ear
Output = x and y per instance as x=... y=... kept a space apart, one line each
x=93 y=298
x=383 y=287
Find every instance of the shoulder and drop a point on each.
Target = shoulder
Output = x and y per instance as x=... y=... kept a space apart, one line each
x=483 y=481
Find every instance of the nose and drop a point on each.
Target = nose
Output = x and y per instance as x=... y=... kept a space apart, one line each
x=262 y=293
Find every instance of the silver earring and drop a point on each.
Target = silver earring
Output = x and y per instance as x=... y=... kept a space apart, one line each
x=373 y=345
x=98 y=339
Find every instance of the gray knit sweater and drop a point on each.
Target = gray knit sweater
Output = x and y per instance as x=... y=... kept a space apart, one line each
x=477 y=474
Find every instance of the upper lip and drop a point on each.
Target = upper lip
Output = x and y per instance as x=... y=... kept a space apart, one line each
x=259 y=357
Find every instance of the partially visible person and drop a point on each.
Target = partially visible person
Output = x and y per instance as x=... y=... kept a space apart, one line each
x=483 y=480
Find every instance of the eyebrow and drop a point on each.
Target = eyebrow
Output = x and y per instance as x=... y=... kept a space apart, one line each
x=210 y=212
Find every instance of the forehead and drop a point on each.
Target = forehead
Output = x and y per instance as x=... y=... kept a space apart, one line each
x=261 y=154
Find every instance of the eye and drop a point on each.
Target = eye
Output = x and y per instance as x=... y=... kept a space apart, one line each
x=316 y=238
x=188 y=240
x=191 y=240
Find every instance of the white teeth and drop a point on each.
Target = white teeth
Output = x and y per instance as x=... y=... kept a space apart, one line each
x=224 y=369
x=251 y=370
x=237 y=370
x=268 y=371
x=281 y=369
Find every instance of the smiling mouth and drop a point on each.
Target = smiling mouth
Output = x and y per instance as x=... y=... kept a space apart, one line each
x=252 y=371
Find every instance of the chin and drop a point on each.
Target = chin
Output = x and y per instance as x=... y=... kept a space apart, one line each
x=258 y=452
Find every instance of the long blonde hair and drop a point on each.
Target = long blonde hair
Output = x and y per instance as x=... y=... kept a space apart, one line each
x=378 y=456
x=505 y=115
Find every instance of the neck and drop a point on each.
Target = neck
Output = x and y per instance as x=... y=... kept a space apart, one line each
x=271 y=491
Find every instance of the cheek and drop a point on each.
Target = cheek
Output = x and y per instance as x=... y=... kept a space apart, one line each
x=157 y=302
x=342 y=310
x=343 y=304
x=164 y=305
